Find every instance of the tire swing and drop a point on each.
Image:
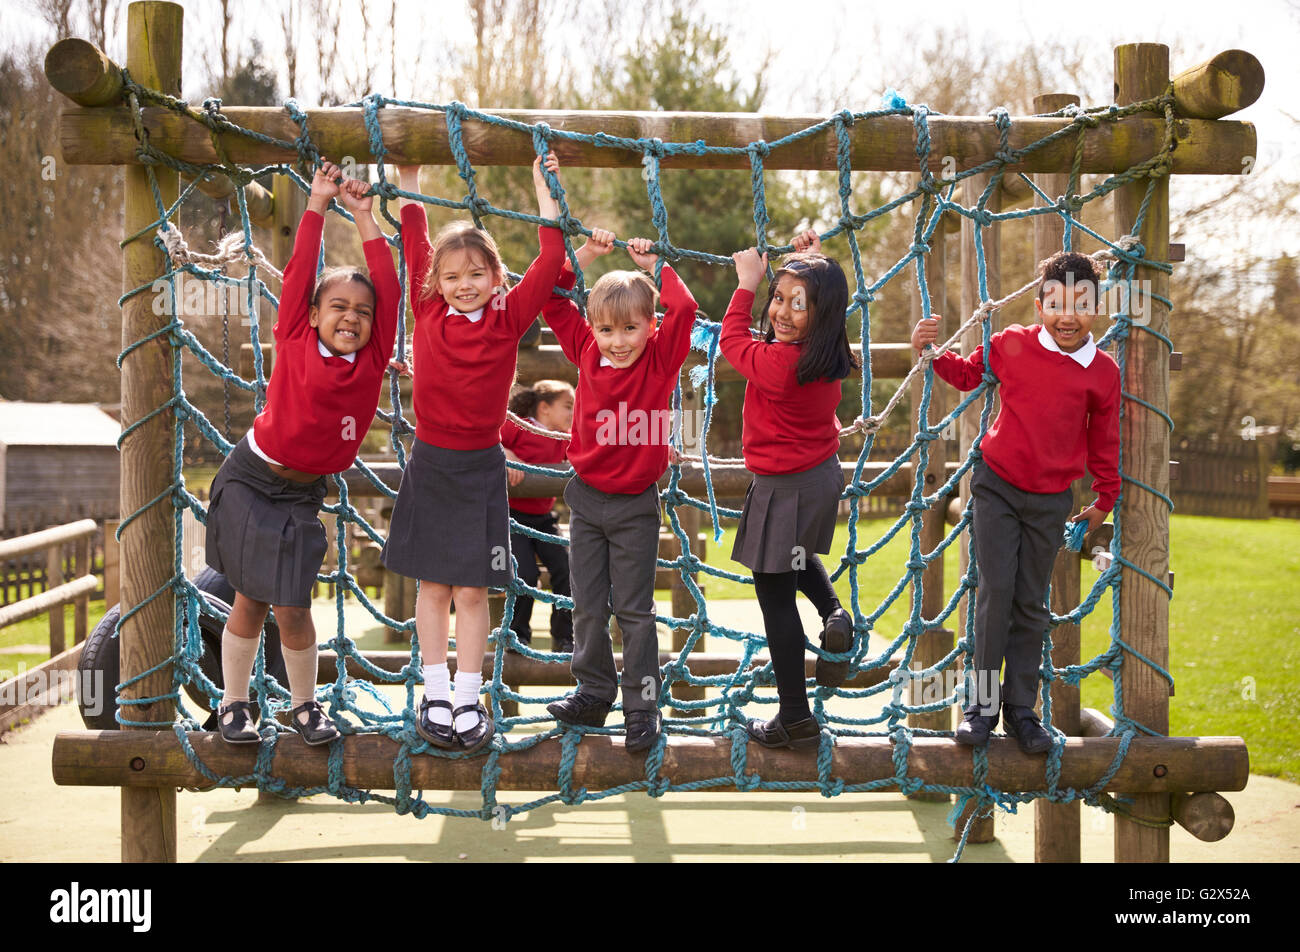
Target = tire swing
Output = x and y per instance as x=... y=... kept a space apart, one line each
x=100 y=662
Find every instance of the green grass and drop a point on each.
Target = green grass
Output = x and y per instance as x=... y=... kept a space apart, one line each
x=36 y=631
x=1234 y=626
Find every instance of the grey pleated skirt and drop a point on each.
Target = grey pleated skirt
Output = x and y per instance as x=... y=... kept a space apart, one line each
x=789 y=515
x=264 y=531
x=451 y=521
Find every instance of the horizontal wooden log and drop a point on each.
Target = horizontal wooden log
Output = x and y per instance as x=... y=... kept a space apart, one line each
x=83 y=72
x=1225 y=83
x=106 y=136
x=1093 y=723
x=727 y=480
x=547 y=362
x=142 y=759
x=53 y=598
x=1207 y=816
x=39 y=541
x=517 y=669
x=26 y=695
x=261 y=204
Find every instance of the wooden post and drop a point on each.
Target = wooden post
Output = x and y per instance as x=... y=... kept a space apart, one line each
x=81 y=614
x=1142 y=71
x=1056 y=825
x=149 y=813
x=933 y=645
x=683 y=603
x=112 y=554
x=968 y=425
x=53 y=579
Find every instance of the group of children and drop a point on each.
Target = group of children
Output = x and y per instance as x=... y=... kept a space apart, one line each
x=450 y=526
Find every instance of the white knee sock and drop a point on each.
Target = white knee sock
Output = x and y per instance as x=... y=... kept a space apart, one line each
x=237 y=657
x=301 y=665
x=437 y=687
x=467 y=686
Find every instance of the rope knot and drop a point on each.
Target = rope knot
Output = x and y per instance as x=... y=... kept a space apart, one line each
x=1006 y=157
x=759 y=148
x=869 y=424
x=845 y=116
x=981 y=216
x=920 y=248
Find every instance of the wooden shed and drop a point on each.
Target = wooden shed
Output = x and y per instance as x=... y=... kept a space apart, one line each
x=58 y=463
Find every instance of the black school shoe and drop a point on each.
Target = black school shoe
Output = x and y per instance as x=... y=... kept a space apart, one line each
x=837 y=636
x=562 y=645
x=238 y=723
x=580 y=709
x=642 y=730
x=975 y=728
x=1023 y=724
x=473 y=740
x=311 y=721
x=439 y=735
x=799 y=735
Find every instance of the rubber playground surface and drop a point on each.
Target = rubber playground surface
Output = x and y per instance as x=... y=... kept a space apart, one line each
x=227 y=825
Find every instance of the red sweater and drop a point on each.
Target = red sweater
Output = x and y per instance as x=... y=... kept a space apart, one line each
x=532 y=448
x=318 y=408
x=463 y=370
x=1055 y=414
x=788 y=427
x=622 y=419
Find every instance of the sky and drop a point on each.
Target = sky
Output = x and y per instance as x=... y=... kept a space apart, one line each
x=835 y=45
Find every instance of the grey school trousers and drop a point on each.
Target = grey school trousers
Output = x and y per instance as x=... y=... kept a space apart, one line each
x=1015 y=536
x=613 y=544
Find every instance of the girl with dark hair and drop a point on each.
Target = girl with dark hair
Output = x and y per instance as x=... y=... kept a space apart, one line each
x=791 y=445
x=333 y=337
x=547 y=404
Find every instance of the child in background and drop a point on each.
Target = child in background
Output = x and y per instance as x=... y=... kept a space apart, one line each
x=450 y=526
x=548 y=404
x=1060 y=407
x=622 y=426
x=791 y=445
x=333 y=337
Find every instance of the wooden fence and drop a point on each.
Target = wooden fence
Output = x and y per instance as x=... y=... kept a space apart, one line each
x=1227 y=478
x=23 y=576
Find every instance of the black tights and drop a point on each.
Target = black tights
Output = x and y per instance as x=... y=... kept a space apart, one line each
x=785 y=637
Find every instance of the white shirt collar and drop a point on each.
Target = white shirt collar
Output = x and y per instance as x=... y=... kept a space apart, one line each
x=325 y=352
x=473 y=316
x=1083 y=356
x=605 y=361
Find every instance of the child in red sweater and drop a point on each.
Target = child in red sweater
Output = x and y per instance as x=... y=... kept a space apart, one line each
x=547 y=404
x=627 y=371
x=1060 y=408
x=791 y=444
x=333 y=337
x=450 y=526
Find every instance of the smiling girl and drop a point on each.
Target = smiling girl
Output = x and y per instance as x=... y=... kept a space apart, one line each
x=333 y=337
x=450 y=526
x=791 y=445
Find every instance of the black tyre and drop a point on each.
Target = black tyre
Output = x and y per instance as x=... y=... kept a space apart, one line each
x=101 y=659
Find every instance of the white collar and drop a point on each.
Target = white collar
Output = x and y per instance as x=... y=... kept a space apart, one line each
x=473 y=316
x=605 y=361
x=1083 y=356
x=325 y=352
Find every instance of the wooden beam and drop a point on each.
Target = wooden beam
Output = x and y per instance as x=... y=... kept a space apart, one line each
x=136 y=758
x=259 y=201
x=1141 y=71
x=148 y=815
x=106 y=136
x=83 y=72
x=26 y=695
x=1207 y=816
x=727 y=480
x=517 y=669
x=1057 y=830
x=1225 y=83
x=37 y=541
x=52 y=599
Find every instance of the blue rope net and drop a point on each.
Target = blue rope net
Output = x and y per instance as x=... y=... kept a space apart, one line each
x=359 y=708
